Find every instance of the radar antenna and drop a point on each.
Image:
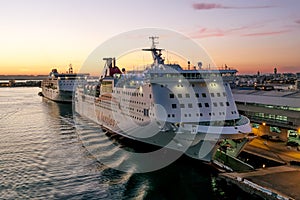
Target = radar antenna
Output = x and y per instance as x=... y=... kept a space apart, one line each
x=156 y=52
x=154 y=41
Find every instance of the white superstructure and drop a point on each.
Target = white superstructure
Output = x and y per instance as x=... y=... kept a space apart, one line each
x=186 y=110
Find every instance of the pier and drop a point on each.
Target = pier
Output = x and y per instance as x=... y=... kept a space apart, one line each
x=269 y=183
x=274 y=114
x=277 y=182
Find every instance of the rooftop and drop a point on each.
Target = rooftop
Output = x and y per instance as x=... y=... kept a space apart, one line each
x=280 y=98
x=272 y=93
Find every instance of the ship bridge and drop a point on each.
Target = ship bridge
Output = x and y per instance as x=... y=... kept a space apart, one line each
x=165 y=73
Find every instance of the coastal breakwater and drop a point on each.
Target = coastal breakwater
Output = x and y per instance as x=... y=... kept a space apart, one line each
x=21 y=80
x=21 y=83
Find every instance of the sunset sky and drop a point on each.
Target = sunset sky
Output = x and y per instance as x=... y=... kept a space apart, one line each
x=37 y=35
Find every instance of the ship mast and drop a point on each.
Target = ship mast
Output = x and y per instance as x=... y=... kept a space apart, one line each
x=156 y=52
x=70 y=69
x=154 y=41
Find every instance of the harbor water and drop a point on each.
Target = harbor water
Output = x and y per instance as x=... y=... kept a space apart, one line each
x=43 y=156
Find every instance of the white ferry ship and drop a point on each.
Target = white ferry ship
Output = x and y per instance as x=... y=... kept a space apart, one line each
x=192 y=111
x=60 y=87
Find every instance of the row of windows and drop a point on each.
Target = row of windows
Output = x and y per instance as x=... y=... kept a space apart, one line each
x=204 y=95
x=129 y=108
x=271 y=116
x=127 y=114
x=135 y=94
x=134 y=117
x=270 y=106
x=131 y=101
x=187 y=95
x=61 y=84
x=190 y=105
x=70 y=83
x=186 y=75
x=279 y=119
x=193 y=85
x=132 y=109
x=201 y=114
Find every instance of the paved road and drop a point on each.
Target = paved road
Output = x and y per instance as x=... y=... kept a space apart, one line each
x=276 y=150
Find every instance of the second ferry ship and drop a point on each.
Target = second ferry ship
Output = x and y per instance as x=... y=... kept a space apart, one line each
x=192 y=111
x=60 y=87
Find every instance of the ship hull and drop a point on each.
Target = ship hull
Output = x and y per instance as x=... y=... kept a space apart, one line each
x=57 y=95
x=194 y=141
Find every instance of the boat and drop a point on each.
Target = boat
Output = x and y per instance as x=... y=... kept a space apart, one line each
x=60 y=87
x=187 y=110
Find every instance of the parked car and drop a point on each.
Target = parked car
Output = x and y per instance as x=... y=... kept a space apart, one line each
x=292 y=144
x=275 y=138
x=293 y=134
x=266 y=137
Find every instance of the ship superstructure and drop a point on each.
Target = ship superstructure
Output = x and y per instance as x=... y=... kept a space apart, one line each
x=60 y=86
x=165 y=105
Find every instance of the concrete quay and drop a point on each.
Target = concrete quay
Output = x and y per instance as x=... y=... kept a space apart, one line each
x=280 y=182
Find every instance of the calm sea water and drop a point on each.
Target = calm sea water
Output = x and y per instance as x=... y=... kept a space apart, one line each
x=44 y=156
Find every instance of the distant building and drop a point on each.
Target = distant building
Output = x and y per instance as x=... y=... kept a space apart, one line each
x=298 y=81
x=275 y=113
x=275 y=72
x=11 y=83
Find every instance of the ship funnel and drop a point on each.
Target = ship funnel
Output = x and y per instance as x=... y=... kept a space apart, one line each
x=107 y=66
x=113 y=62
x=108 y=62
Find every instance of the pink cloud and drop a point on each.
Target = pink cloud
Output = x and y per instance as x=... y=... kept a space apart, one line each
x=206 y=6
x=204 y=32
x=266 y=33
x=239 y=31
x=292 y=69
x=297 y=21
x=210 y=6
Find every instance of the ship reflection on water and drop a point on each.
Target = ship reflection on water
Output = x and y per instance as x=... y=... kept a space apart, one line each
x=185 y=178
x=57 y=110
